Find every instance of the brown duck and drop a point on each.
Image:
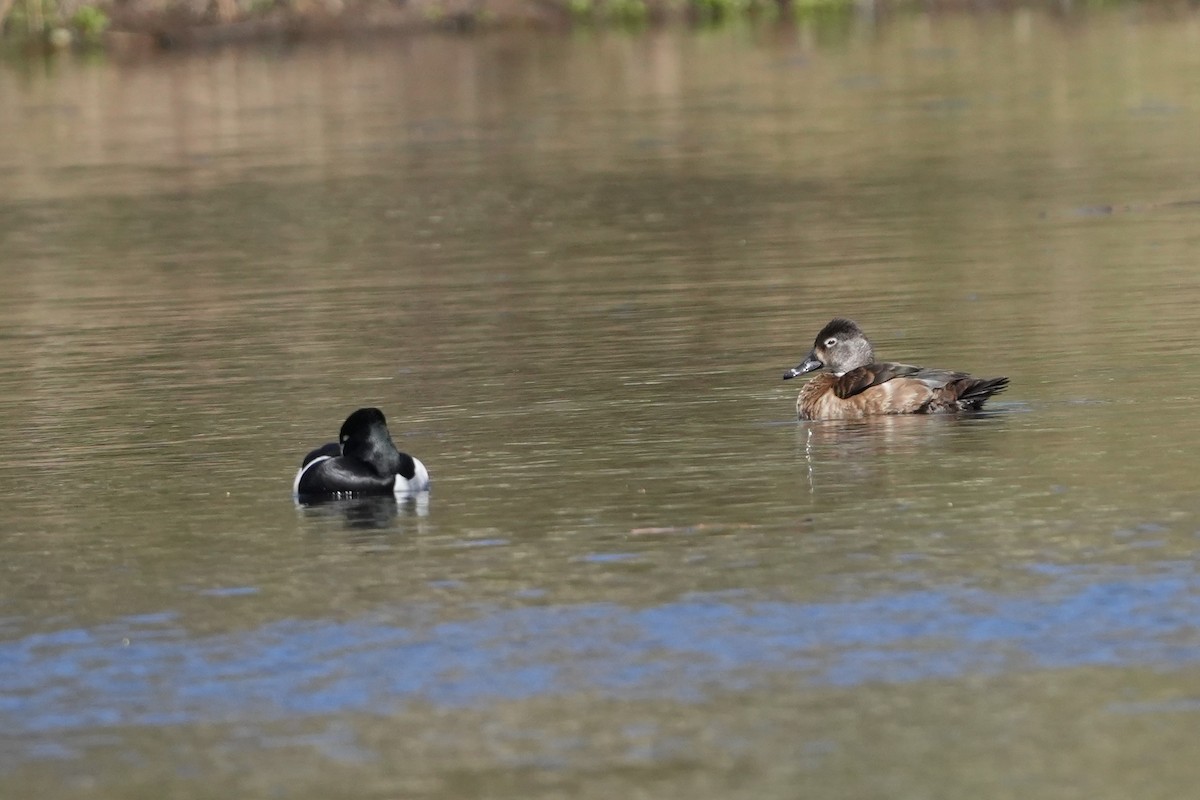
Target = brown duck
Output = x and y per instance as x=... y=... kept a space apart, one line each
x=857 y=385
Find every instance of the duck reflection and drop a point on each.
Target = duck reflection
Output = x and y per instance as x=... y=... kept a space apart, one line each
x=372 y=512
x=885 y=450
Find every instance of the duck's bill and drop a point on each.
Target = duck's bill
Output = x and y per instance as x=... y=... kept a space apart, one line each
x=806 y=366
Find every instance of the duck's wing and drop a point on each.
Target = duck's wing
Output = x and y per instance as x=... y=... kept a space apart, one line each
x=329 y=450
x=863 y=378
x=341 y=475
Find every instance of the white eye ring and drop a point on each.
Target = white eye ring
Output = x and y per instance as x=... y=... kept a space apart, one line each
x=830 y=342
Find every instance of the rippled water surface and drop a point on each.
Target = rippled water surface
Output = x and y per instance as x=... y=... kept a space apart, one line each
x=571 y=270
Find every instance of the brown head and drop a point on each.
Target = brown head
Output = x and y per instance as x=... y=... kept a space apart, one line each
x=840 y=347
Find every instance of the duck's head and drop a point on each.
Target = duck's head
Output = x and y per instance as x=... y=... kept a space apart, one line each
x=365 y=436
x=840 y=347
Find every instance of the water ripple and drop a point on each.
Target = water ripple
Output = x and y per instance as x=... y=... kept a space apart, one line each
x=149 y=671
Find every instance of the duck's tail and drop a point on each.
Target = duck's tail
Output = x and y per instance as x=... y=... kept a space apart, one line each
x=974 y=392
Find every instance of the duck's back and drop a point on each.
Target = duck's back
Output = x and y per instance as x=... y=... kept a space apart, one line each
x=887 y=388
x=333 y=475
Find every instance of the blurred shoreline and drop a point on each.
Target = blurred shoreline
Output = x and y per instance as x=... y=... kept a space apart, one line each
x=132 y=26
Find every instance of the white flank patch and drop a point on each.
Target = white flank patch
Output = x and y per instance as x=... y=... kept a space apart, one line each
x=304 y=469
x=409 y=486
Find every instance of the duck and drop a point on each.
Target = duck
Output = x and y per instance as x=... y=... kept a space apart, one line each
x=363 y=461
x=855 y=385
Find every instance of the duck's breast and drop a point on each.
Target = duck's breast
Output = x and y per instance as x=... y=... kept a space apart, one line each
x=819 y=400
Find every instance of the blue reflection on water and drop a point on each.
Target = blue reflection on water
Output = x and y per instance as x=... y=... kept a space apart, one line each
x=149 y=670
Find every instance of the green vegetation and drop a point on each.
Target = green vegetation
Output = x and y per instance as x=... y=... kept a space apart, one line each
x=620 y=13
x=90 y=22
x=54 y=23
x=635 y=13
x=714 y=11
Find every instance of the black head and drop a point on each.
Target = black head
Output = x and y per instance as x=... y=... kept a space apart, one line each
x=840 y=346
x=365 y=436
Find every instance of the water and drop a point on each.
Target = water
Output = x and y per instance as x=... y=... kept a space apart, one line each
x=572 y=270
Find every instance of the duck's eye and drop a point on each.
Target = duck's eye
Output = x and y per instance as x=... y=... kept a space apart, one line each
x=830 y=342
